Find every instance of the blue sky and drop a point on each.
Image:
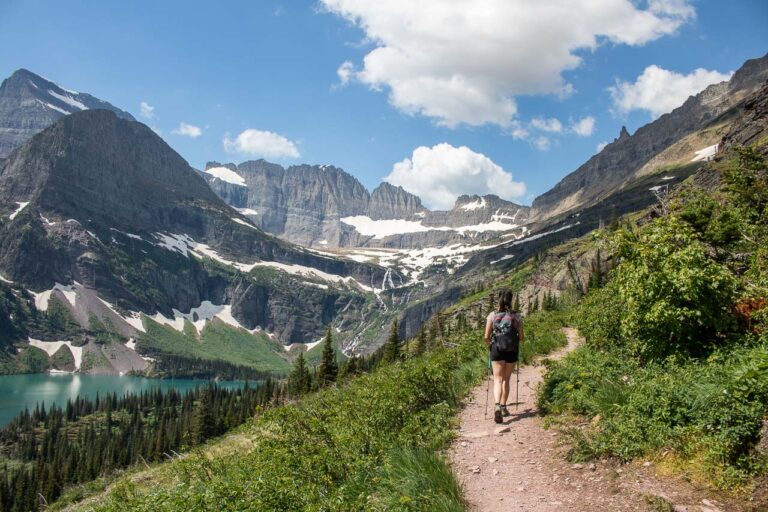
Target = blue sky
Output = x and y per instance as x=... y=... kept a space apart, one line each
x=227 y=67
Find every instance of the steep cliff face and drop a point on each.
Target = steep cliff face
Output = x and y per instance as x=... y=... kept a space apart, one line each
x=100 y=213
x=618 y=162
x=325 y=207
x=29 y=103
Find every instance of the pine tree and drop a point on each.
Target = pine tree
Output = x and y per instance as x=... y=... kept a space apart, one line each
x=300 y=381
x=421 y=342
x=516 y=305
x=328 y=369
x=203 y=423
x=392 y=346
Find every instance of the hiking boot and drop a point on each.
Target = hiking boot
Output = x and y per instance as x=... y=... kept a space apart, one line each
x=497 y=414
x=504 y=411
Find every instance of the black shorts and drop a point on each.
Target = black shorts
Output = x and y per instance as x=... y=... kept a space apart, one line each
x=507 y=356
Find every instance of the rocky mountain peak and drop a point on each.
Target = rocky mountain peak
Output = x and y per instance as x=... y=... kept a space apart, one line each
x=30 y=103
x=623 y=134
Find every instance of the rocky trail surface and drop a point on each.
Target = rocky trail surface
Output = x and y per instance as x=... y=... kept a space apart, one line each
x=521 y=466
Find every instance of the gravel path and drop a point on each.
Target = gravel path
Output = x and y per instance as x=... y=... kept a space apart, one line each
x=520 y=466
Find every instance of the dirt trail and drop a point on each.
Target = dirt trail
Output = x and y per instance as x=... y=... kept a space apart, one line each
x=520 y=466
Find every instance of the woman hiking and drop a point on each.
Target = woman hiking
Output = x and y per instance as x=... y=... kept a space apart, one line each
x=503 y=335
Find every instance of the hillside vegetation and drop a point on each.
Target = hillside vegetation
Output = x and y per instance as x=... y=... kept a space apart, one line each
x=676 y=361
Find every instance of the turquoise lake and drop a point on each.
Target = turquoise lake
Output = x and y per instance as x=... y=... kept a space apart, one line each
x=18 y=391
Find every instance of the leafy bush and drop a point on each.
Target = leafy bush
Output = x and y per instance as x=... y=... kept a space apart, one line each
x=675 y=297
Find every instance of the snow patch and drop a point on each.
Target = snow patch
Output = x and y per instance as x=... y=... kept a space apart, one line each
x=244 y=223
x=42 y=298
x=3 y=279
x=54 y=107
x=51 y=347
x=131 y=344
x=69 y=100
x=200 y=316
x=176 y=243
x=475 y=205
x=503 y=258
x=706 y=154
x=540 y=235
x=387 y=227
x=247 y=211
x=228 y=175
x=667 y=178
x=22 y=205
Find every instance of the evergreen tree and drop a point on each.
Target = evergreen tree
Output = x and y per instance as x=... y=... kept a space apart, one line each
x=300 y=381
x=203 y=422
x=516 y=305
x=328 y=369
x=392 y=346
x=421 y=342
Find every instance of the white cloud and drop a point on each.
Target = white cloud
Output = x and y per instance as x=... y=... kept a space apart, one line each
x=261 y=143
x=542 y=143
x=551 y=125
x=659 y=91
x=188 y=130
x=443 y=172
x=601 y=146
x=465 y=62
x=147 y=110
x=345 y=72
x=584 y=127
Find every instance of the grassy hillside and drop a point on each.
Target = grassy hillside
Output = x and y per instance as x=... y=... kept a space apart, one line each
x=676 y=361
x=218 y=341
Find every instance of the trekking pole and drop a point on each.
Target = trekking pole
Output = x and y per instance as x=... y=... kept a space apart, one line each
x=517 y=384
x=488 y=388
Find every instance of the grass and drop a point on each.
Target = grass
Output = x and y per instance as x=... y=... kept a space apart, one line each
x=346 y=448
x=218 y=341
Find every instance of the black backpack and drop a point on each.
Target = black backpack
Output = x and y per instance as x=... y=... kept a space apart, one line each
x=506 y=331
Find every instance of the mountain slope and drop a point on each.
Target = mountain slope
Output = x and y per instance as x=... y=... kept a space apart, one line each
x=29 y=103
x=620 y=160
x=99 y=213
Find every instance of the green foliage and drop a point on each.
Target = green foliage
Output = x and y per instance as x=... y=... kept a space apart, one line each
x=299 y=381
x=675 y=297
x=392 y=349
x=543 y=333
x=366 y=446
x=218 y=341
x=414 y=479
x=328 y=369
x=665 y=368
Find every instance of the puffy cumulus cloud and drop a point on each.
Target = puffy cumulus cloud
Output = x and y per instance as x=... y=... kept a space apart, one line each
x=261 y=143
x=187 y=130
x=551 y=125
x=466 y=61
x=659 y=91
x=584 y=127
x=443 y=172
x=147 y=110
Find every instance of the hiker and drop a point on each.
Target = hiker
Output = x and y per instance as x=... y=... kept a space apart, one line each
x=503 y=335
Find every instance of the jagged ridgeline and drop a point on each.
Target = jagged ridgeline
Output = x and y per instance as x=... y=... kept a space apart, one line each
x=110 y=241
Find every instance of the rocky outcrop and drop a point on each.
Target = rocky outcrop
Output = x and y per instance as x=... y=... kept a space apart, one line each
x=388 y=201
x=752 y=127
x=617 y=163
x=30 y=103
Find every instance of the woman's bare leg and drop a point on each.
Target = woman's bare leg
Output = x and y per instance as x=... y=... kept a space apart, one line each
x=506 y=375
x=498 y=375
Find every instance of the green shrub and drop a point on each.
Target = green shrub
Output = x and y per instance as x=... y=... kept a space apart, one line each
x=675 y=297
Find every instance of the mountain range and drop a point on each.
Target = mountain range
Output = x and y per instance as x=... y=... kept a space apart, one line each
x=115 y=253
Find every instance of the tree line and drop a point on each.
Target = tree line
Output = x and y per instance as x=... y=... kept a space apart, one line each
x=46 y=450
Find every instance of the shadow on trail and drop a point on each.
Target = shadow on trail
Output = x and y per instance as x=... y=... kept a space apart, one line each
x=528 y=413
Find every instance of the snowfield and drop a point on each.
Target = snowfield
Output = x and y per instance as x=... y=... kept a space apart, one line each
x=22 y=205
x=228 y=175
x=51 y=347
x=384 y=228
